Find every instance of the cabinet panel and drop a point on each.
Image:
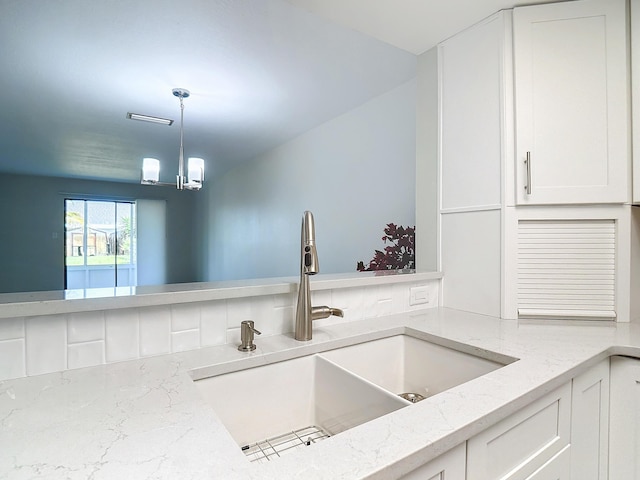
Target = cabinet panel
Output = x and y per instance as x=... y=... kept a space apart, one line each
x=470 y=261
x=470 y=115
x=518 y=446
x=624 y=440
x=590 y=424
x=635 y=95
x=449 y=466
x=571 y=103
x=558 y=468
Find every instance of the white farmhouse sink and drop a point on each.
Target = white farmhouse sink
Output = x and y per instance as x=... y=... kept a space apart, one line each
x=297 y=402
x=405 y=364
x=263 y=402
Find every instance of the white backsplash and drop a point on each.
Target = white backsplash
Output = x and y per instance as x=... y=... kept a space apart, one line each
x=52 y=343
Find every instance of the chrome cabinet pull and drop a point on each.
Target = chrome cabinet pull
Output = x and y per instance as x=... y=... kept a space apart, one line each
x=527 y=162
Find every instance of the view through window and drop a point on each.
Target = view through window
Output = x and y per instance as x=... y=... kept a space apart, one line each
x=99 y=244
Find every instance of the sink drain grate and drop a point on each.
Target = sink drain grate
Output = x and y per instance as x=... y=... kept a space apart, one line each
x=412 y=397
x=274 y=447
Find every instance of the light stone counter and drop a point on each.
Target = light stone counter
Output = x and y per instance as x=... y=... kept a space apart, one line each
x=25 y=304
x=144 y=419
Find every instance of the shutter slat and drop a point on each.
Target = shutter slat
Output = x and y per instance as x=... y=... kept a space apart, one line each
x=580 y=285
x=595 y=294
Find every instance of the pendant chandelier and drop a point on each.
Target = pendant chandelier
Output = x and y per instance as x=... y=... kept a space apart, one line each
x=195 y=166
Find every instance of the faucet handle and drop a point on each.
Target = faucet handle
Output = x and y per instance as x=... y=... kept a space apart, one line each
x=323 y=312
x=246 y=336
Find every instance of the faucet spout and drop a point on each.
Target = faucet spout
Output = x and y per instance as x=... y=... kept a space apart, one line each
x=305 y=313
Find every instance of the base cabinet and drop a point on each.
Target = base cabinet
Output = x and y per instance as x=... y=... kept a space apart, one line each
x=561 y=436
x=590 y=424
x=624 y=441
x=520 y=446
x=449 y=466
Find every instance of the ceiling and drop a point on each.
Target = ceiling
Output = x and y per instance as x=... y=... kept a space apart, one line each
x=412 y=25
x=260 y=73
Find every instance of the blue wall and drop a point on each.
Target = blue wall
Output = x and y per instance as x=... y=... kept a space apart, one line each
x=32 y=228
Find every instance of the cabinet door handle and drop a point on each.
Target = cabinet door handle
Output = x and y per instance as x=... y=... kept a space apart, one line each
x=527 y=162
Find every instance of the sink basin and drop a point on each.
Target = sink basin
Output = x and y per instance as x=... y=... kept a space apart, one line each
x=405 y=364
x=307 y=392
x=270 y=409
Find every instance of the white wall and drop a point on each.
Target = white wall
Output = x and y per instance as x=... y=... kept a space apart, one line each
x=356 y=173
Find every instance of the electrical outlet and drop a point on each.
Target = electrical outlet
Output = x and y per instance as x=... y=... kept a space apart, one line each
x=418 y=295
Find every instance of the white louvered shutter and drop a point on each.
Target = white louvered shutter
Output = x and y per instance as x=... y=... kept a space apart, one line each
x=566 y=268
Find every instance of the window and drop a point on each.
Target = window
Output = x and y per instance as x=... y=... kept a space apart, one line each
x=100 y=242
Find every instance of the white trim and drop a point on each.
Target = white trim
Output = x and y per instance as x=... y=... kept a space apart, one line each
x=529 y=312
x=477 y=208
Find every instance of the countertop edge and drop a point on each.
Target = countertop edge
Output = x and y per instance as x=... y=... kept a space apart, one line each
x=48 y=303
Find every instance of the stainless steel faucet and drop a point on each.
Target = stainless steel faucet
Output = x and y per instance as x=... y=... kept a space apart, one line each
x=305 y=313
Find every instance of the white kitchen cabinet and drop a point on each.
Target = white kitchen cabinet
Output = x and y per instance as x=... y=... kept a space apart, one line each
x=590 y=424
x=449 y=466
x=624 y=441
x=571 y=103
x=508 y=253
x=523 y=445
x=635 y=94
x=562 y=436
x=475 y=90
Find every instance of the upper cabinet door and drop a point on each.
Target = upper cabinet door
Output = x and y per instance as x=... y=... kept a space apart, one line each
x=571 y=92
x=635 y=95
x=470 y=65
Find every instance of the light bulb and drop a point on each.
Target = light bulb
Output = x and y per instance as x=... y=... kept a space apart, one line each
x=195 y=170
x=150 y=170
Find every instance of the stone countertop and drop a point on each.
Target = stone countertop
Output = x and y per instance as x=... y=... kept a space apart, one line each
x=90 y=299
x=144 y=419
